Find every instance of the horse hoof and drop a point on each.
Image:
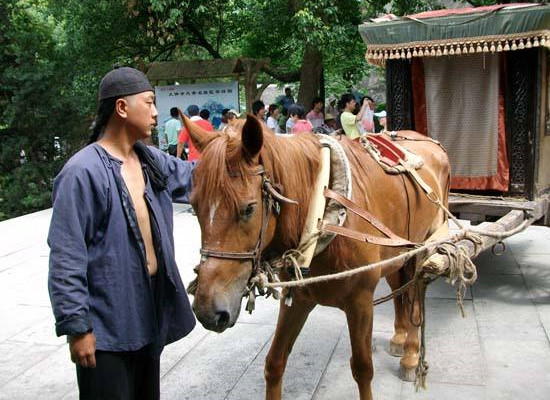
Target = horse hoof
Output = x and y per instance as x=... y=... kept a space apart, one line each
x=396 y=349
x=407 y=374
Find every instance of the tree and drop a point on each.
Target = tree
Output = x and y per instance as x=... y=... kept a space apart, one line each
x=304 y=39
x=53 y=53
x=39 y=103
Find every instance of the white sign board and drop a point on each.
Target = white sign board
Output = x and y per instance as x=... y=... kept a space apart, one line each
x=211 y=96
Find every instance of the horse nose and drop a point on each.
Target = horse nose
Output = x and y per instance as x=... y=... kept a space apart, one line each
x=222 y=320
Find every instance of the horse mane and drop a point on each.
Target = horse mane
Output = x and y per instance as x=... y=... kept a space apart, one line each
x=294 y=163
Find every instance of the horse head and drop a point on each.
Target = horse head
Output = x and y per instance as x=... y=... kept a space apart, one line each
x=229 y=199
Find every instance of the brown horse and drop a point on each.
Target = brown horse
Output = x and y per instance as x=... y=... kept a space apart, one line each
x=228 y=202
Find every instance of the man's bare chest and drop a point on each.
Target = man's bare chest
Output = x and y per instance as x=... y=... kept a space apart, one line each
x=132 y=174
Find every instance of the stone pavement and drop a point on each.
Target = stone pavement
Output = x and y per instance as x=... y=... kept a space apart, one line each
x=499 y=351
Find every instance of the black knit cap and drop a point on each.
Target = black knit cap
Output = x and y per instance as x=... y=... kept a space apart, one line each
x=123 y=81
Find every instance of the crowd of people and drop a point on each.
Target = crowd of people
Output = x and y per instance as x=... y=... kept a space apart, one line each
x=287 y=116
x=284 y=117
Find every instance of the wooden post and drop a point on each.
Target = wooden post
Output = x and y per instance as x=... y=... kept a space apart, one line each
x=521 y=120
x=399 y=95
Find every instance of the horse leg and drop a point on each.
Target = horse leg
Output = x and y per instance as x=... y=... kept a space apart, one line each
x=401 y=325
x=360 y=317
x=410 y=358
x=289 y=324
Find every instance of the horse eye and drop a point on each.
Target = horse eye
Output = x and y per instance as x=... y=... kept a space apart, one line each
x=247 y=211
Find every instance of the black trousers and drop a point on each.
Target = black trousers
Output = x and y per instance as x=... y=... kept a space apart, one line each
x=120 y=376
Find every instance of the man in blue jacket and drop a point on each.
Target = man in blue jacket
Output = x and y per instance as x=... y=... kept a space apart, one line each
x=114 y=285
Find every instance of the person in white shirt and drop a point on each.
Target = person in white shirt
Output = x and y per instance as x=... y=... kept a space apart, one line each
x=272 y=122
x=382 y=120
x=223 y=122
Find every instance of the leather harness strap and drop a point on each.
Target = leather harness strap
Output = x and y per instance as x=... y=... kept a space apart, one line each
x=365 y=237
x=392 y=240
x=432 y=196
x=233 y=255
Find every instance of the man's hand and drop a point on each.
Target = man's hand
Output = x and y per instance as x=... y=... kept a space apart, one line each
x=83 y=349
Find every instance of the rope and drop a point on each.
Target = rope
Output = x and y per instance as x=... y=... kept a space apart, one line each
x=430 y=247
x=290 y=256
x=422 y=367
x=394 y=294
x=457 y=256
x=461 y=270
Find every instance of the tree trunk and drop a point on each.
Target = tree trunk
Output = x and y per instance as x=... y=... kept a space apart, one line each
x=310 y=76
x=322 y=92
x=252 y=69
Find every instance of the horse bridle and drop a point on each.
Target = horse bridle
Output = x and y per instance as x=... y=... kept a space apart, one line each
x=270 y=200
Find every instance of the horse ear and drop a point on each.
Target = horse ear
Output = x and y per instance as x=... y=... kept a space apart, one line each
x=252 y=137
x=198 y=135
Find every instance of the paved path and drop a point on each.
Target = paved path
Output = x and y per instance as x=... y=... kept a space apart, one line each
x=499 y=351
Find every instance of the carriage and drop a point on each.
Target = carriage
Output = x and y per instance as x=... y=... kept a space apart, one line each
x=476 y=79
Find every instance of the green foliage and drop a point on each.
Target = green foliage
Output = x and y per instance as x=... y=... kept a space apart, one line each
x=26 y=189
x=401 y=7
x=39 y=102
x=281 y=29
x=54 y=52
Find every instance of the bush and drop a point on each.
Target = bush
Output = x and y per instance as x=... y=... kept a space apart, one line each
x=26 y=189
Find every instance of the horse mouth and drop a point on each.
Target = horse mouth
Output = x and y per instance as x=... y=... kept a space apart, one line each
x=223 y=322
x=218 y=322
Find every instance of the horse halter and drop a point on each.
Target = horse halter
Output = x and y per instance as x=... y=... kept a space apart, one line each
x=270 y=200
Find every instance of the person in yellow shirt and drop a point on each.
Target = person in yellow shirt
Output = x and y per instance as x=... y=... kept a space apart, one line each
x=347 y=118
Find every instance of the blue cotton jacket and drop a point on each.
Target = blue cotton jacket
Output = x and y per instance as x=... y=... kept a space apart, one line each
x=98 y=279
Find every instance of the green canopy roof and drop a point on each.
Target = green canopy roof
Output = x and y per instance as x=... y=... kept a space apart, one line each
x=455 y=32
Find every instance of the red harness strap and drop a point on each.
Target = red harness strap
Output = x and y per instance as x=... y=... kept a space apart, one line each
x=389 y=152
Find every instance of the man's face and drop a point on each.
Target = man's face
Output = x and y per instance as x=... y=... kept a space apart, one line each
x=288 y=92
x=231 y=119
x=261 y=112
x=141 y=113
x=318 y=106
x=371 y=104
